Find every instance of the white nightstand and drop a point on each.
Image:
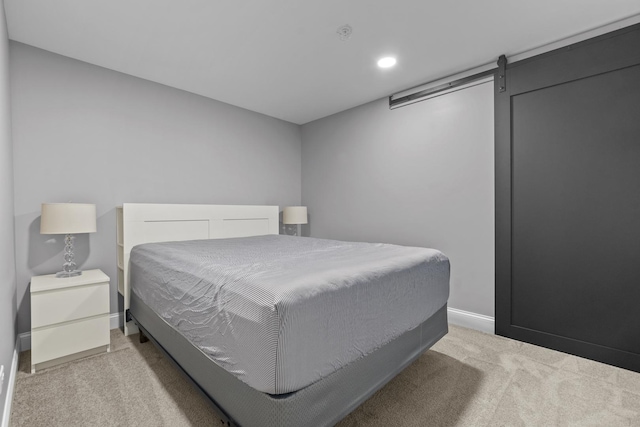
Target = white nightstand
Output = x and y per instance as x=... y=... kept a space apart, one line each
x=69 y=317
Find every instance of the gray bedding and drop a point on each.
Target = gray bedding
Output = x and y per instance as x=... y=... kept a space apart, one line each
x=281 y=312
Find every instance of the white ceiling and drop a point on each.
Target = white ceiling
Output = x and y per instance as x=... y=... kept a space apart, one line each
x=284 y=58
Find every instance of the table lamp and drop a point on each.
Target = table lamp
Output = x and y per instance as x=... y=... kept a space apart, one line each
x=294 y=215
x=68 y=219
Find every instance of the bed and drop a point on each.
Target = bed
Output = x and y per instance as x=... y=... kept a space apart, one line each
x=280 y=330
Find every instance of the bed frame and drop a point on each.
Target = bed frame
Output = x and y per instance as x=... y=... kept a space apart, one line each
x=322 y=403
x=138 y=223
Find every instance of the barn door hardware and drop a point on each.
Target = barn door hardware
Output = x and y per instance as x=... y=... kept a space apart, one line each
x=502 y=73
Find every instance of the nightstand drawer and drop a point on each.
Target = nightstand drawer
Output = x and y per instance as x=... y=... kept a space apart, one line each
x=63 y=305
x=58 y=341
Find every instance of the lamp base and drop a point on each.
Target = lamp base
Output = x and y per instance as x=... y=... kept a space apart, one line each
x=73 y=273
x=291 y=229
x=69 y=267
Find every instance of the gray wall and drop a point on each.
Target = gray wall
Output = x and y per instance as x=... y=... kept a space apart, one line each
x=87 y=134
x=7 y=261
x=420 y=175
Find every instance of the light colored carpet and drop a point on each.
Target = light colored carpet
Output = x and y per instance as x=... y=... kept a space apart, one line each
x=467 y=379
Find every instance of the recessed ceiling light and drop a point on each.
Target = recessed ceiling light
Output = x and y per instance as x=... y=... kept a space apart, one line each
x=387 y=62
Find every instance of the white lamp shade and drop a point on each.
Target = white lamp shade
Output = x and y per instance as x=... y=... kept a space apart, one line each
x=68 y=218
x=294 y=215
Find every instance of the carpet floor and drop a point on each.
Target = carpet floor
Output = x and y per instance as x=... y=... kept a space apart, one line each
x=467 y=379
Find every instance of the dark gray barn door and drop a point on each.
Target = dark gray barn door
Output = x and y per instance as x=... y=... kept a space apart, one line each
x=568 y=200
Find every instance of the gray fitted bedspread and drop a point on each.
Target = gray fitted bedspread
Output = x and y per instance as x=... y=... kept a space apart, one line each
x=282 y=312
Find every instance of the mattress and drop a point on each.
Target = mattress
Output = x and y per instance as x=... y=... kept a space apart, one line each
x=323 y=403
x=280 y=312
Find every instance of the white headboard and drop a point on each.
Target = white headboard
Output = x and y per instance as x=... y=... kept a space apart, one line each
x=139 y=223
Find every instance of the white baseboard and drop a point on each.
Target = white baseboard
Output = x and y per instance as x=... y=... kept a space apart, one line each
x=13 y=371
x=25 y=341
x=470 y=320
x=115 y=321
